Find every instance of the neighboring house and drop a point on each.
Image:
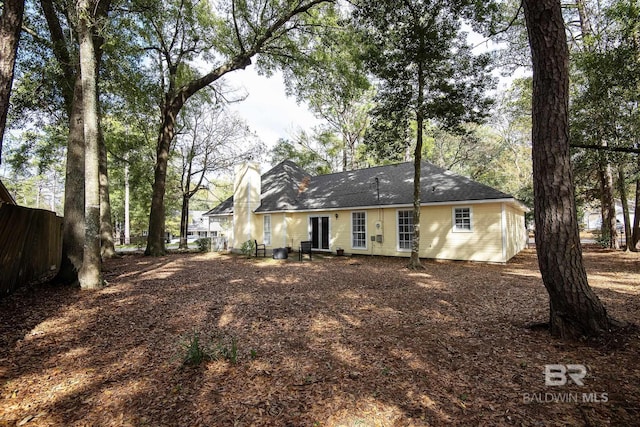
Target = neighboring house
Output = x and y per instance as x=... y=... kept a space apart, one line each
x=592 y=219
x=198 y=226
x=370 y=212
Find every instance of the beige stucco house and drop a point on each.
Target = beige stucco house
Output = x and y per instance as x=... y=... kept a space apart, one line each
x=370 y=212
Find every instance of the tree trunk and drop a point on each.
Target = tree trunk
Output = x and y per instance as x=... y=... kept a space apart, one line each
x=127 y=220
x=10 y=26
x=90 y=275
x=622 y=187
x=575 y=309
x=71 y=87
x=155 y=240
x=73 y=224
x=174 y=101
x=635 y=238
x=414 y=262
x=186 y=195
x=108 y=249
x=184 y=222
x=608 y=204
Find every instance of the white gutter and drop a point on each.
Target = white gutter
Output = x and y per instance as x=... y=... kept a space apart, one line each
x=457 y=202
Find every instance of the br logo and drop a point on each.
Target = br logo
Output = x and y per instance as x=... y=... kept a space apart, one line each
x=556 y=375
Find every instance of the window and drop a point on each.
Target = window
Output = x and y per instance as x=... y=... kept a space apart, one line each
x=267 y=230
x=359 y=230
x=405 y=230
x=462 y=219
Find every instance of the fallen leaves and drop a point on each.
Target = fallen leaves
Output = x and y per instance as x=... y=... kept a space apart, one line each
x=334 y=342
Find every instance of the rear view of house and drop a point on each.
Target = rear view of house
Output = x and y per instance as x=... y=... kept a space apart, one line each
x=370 y=212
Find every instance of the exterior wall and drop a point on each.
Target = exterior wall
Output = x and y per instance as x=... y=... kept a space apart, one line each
x=482 y=243
x=516 y=232
x=485 y=241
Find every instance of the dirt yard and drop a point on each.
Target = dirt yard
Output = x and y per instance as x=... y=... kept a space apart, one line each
x=332 y=342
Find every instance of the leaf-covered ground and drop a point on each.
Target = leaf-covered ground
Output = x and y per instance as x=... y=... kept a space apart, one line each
x=332 y=342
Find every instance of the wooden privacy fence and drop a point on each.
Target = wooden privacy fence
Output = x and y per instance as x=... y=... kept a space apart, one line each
x=30 y=245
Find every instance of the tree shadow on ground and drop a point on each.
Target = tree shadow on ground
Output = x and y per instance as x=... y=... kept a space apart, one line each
x=337 y=341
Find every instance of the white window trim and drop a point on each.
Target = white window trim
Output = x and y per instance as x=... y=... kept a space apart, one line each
x=264 y=231
x=398 y=248
x=365 y=247
x=453 y=219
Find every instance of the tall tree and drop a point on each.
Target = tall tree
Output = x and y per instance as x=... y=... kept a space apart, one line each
x=10 y=27
x=587 y=43
x=69 y=82
x=575 y=309
x=426 y=69
x=318 y=152
x=212 y=142
x=333 y=82
x=251 y=28
x=90 y=276
x=71 y=88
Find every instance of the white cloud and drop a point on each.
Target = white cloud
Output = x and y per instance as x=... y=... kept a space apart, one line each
x=267 y=110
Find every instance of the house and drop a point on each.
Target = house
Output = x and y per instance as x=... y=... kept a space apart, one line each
x=199 y=226
x=370 y=212
x=592 y=218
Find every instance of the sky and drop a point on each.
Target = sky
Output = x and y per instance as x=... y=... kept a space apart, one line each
x=272 y=115
x=267 y=109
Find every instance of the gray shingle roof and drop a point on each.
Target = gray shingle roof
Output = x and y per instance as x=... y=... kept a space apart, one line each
x=288 y=187
x=378 y=186
x=224 y=208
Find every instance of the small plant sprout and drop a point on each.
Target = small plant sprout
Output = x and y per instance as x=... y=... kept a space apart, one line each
x=195 y=353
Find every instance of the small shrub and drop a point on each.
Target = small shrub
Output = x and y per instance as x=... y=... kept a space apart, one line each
x=204 y=244
x=229 y=351
x=195 y=352
x=602 y=237
x=248 y=248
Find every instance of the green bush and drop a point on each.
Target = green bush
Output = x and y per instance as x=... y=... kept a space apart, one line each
x=602 y=237
x=195 y=350
x=248 y=248
x=204 y=244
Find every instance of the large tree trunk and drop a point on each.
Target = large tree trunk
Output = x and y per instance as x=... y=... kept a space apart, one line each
x=90 y=276
x=575 y=310
x=155 y=240
x=73 y=225
x=174 y=101
x=10 y=26
x=71 y=87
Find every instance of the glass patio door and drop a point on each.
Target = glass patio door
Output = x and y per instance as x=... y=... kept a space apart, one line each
x=319 y=230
